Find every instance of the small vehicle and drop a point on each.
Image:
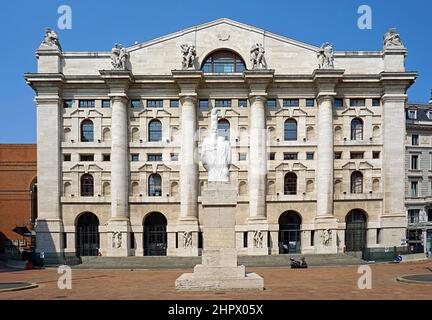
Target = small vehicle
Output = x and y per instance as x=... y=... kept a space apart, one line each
x=298 y=264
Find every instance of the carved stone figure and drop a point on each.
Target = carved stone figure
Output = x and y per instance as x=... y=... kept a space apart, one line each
x=392 y=39
x=326 y=237
x=326 y=56
x=119 y=57
x=116 y=239
x=187 y=239
x=257 y=56
x=258 y=239
x=51 y=39
x=189 y=56
x=216 y=153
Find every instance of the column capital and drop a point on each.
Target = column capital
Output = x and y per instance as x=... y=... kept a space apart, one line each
x=187 y=80
x=188 y=97
x=325 y=80
x=118 y=81
x=258 y=98
x=45 y=84
x=397 y=82
x=258 y=81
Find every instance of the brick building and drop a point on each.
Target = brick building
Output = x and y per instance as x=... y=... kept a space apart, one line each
x=18 y=192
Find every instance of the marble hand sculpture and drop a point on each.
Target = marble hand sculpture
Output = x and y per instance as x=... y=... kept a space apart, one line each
x=216 y=153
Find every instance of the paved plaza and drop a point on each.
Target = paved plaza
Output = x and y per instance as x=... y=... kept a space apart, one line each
x=335 y=283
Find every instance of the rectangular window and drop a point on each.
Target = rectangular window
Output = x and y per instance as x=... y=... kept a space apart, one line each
x=338 y=155
x=413 y=215
x=310 y=102
x=414 y=162
x=86 y=103
x=242 y=156
x=272 y=155
x=154 y=157
x=412 y=114
x=67 y=103
x=414 y=188
x=376 y=102
x=67 y=157
x=174 y=156
x=132 y=240
x=271 y=103
x=357 y=102
x=290 y=156
x=135 y=104
x=223 y=103
x=429 y=215
x=378 y=236
x=291 y=102
x=174 y=103
x=309 y=155
x=415 y=139
x=338 y=102
x=135 y=157
x=242 y=103
x=177 y=240
x=155 y=103
x=86 y=157
x=106 y=157
x=375 y=154
x=245 y=239
x=64 y=234
x=204 y=104
x=106 y=103
x=312 y=238
x=200 y=240
x=357 y=155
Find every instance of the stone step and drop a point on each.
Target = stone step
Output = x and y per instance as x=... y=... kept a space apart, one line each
x=189 y=262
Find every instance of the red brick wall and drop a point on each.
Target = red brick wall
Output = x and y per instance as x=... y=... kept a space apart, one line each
x=17 y=174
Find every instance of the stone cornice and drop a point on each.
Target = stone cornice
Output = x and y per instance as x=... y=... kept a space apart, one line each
x=118 y=81
x=258 y=81
x=187 y=81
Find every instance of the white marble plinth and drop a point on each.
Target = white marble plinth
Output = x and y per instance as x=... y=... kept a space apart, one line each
x=219 y=269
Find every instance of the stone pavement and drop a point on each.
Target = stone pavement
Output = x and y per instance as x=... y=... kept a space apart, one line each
x=336 y=283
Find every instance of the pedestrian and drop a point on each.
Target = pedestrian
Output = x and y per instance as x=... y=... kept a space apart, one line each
x=42 y=258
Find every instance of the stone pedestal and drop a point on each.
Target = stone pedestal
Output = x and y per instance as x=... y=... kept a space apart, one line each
x=326 y=238
x=219 y=269
x=118 y=230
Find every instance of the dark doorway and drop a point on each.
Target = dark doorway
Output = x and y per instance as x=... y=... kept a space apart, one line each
x=155 y=236
x=355 y=232
x=87 y=235
x=289 y=232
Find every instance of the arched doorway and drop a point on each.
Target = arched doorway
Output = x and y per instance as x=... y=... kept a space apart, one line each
x=355 y=232
x=87 y=235
x=289 y=232
x=155 y=235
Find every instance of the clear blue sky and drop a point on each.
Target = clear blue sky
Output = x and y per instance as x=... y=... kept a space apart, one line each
x=97 y=25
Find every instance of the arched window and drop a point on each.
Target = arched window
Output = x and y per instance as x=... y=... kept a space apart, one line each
x=155 y=131
x=355 y=232
x=338 y=133
x=67 y=134
x=271 y=188
x=106 y=134
x=224 y=129
x=87 y=235
x=356 y=182
x=135 y=134
x=289 y=232
x=174 y=189
x=338 y=186
x=242 y=188
x=135 y=189
x=290 y=183
x=87 y=131
x=290 y=130
x=155 y=185
x=106 y=189
x=310 y=133
x=67 y=189
x=87 y=185
x=357 y=129
x=375 y=185
x=223 y=61
x=309 y=186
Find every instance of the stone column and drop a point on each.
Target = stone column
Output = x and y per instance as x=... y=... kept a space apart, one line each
x=257 y=158
x=188 y=81
x=49 y=225
x=258 y=81
x=325 y=223
x=393 y=219
x=189 y=161
x=118 y=228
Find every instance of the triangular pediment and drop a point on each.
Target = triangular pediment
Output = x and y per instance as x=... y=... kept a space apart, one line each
x=162 y=55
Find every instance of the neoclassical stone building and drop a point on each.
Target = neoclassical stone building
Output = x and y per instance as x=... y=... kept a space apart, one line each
x=317 y=140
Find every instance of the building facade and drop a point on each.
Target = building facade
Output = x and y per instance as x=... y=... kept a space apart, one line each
x=18 y=196
x=316 y=139
x=418 y=164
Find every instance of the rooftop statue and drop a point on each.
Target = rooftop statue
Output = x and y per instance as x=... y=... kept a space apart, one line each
x=189 y=56
x=392 y=39
x=326 y=56
x=51 y=39
x=119 y=57
x=257 y=56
